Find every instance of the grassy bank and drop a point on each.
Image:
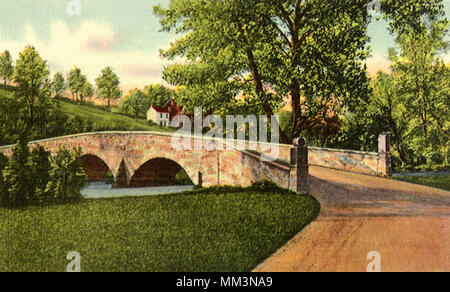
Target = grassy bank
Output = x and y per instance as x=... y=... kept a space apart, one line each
x=107 y=120
x=224 y=229
x=435 y=181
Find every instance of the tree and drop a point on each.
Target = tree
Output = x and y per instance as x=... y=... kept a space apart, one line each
x=58 y=84
x=6 y=66
x=310 y=52
x=67 y=176
x=422 y=80
x=108 y=85
x=386 y=101
x=3 y=163
x=30 y=74
x=135 y=103
x=76 y=82
x=39 y=165
x=157 y=95
x=86 y=91
x=18 y=187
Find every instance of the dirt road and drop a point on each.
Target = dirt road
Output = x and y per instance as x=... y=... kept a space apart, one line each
x=408 y=225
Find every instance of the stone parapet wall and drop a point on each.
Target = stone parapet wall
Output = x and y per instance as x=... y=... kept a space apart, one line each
x=359 y=162
x=355 y=161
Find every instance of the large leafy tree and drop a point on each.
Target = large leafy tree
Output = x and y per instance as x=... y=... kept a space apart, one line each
x=6 y=66
x=423 y=86
x=76 y=82
x=30 y=74
x=309 y=52
x=108 y=85
x=58 y=84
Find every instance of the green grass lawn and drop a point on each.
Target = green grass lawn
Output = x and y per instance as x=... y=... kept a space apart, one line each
x=221 y=229
x=111 y=120
x=436 y=181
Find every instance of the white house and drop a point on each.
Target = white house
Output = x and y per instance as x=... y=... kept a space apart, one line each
x=159 y=116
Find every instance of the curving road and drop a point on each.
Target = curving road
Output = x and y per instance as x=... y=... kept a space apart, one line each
x=407 y=224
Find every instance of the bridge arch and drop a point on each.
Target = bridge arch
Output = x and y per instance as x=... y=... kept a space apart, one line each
x=158 y=172
x=95 y=167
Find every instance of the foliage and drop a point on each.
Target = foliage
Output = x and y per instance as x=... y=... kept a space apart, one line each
x=6 y=66
x=95 y=118
x=219 y=229
x=422 y=82
x=134 y=103
x=76 y=82
x=108 y=85
x=33 y=178
x=183 y=179
x=310 y=52
x=17 y=177
x=67 y=176
x=86 y=91
x=30 y=74
x=157 y=95
x=39 y=165
x=412 y=102
x=58 y=84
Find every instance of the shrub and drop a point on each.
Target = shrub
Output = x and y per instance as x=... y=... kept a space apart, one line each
x=17 y=178
x=33 y=178
x=67 y=176
x=265 y=185
x=39 y=165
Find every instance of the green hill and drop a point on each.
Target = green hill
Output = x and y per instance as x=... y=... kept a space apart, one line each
x=105 y=120
x=60 y=117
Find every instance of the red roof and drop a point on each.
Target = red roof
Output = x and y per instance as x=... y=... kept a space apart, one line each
x=170 y=108
x=160 y=110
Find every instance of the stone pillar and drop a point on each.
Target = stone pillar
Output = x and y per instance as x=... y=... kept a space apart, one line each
x=299 y=158
x=122 y=177
x=384 y=154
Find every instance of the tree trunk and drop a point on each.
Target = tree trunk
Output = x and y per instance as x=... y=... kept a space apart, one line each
x=296 y=109
x=31 y=112
x=257 y=82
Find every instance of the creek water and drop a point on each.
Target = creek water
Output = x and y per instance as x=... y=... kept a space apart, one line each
x=97 y=190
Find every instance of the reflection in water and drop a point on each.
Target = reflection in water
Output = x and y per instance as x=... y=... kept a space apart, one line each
x=95 y=190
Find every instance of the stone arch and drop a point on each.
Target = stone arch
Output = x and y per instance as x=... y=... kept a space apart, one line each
x=95 y=167
x=157 y=172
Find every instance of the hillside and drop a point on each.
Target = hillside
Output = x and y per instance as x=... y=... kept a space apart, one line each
x=109 y=120
x=65 y=118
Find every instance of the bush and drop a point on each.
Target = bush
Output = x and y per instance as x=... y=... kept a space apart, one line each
x=39 y=164
x=67 y=177
x=17 y=178
x=33 y=178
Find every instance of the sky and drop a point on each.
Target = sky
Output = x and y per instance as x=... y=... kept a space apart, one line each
x=123 y=34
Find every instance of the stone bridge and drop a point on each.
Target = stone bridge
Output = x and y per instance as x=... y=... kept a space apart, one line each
x=138 y=159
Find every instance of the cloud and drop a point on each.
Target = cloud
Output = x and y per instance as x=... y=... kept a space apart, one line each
x=378 y=63
x=91 y=47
